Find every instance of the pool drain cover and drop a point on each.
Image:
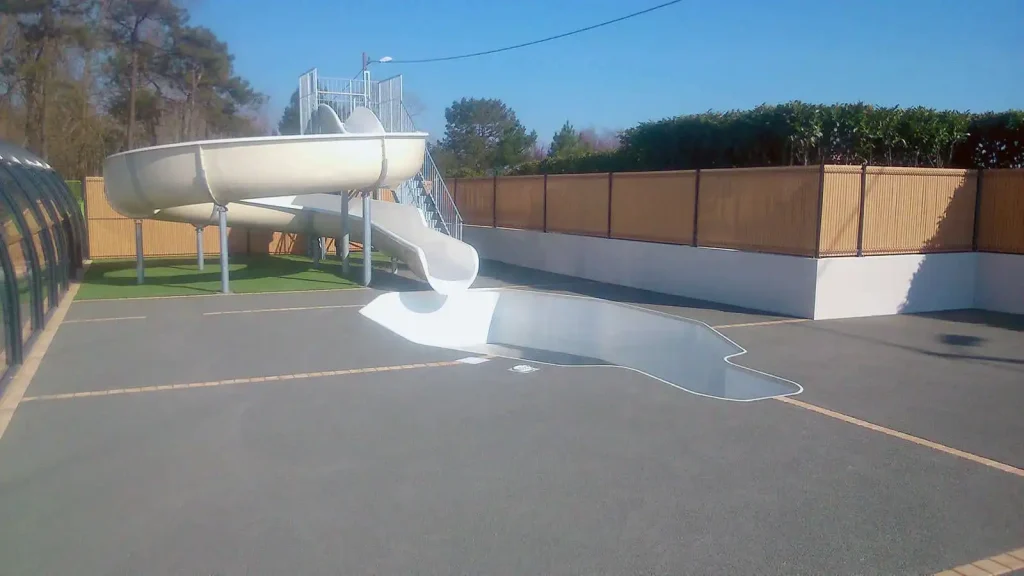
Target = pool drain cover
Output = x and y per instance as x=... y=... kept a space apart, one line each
x=522 y=369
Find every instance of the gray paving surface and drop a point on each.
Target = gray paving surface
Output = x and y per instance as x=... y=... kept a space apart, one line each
x=478 y=470
x=903 y=372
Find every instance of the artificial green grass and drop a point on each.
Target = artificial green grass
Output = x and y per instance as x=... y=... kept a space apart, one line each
x=107 y=279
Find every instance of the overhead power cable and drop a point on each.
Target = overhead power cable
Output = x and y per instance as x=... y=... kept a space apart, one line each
x=534 y=42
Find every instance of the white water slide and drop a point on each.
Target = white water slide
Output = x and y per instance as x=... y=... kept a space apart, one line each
x=294 y=184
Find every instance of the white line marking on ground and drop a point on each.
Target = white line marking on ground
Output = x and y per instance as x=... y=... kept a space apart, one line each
x=114 y=319
x=904 y=436
x=215 y=294
x=255 y=310
x=765 y=323
x=551 y=285
x=233 y=381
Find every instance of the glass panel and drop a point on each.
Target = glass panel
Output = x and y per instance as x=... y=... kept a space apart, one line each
x=46 y=211
x=44 y=184
x=30 y=180
x=6 y=315
x=66 y=205
x=73 y=225
x=37 y=238
x=12 y=236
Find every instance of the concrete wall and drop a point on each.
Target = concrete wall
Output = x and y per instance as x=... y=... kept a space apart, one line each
x=1000 y=282
x=768 y=282
x=907 y=283
x=804 y=287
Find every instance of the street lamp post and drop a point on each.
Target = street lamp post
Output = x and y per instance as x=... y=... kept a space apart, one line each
x=366 y=75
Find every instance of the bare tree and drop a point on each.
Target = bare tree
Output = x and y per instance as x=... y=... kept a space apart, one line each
x=600 y=141
x=136 y=24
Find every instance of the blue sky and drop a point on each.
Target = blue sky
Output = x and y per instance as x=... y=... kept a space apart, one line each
x=686 y=58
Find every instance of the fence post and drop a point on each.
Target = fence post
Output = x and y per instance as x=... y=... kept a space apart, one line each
x=494 y=201
x=545 y=202
x=696 y=207
x=977 y=212
x=821 y=206
x=863 y=202
x=86 y=247
x=610 y=178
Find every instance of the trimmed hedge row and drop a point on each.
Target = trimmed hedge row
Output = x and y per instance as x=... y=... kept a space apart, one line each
x=802 y=134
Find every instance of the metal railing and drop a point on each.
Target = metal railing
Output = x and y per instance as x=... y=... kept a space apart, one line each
x=427 y=191
x=434 y=186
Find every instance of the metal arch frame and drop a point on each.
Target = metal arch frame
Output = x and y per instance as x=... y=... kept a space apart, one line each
x=40 y=204
x=31 y=260
x=54 y=206
x=13 y=345
x=12 y=316
x=39 y=260
x=36 y=181
x=75 y=215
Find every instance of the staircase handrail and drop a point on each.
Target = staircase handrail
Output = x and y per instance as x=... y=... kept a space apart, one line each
x=447 y=209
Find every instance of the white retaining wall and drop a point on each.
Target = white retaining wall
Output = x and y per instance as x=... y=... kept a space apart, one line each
x=1000 y=282
x=905 y=283
x=769 y=282
x=802 y=287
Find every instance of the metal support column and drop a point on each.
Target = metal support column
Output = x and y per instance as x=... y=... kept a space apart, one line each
x=343 y=240
x=316 y=246
x=200 y=255
x=222 y=221
x=140 y=272
x=367 y=263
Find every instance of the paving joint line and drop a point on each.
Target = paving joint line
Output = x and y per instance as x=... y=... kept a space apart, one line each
x=114 y=319
x=904 y=436
x=216 y=294
x=764 y=323
x=235 y=381
x=1004 y=563
x=547 y=285
x=292 y=309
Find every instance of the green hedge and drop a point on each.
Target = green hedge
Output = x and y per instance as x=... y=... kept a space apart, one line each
x=75 y=186
x=800 y=134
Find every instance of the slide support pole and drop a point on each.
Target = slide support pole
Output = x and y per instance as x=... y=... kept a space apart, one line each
x=343 y=240
x=200 y=257
x=140 y=273
x=367 y=241
x=222 y=221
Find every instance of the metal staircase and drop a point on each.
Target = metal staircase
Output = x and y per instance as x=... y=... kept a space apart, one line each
x=427 y=191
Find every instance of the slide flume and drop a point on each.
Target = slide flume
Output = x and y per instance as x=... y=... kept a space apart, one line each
x=294 y=184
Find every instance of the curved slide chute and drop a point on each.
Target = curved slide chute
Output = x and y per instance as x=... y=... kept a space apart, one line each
x=185 y=182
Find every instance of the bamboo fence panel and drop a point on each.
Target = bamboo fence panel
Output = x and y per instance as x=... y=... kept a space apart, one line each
x=840 y=214
x=475 y=199
x=1001 y=214
x=918 y=210
x=760 y=209
x=654 y=206
x=519 y=202
x=578 y=204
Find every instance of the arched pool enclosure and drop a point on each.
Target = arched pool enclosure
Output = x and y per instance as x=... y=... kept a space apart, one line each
x=41 y=238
